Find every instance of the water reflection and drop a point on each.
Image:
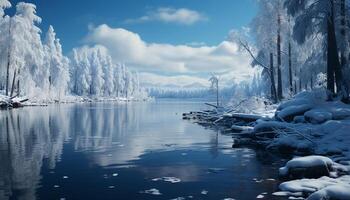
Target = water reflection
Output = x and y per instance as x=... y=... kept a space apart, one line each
x=40 y=145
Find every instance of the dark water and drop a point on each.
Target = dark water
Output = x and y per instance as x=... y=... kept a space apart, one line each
x=124 y=151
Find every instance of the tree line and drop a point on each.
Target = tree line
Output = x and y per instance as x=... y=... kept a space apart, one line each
x=36 y=67
x=300 y=45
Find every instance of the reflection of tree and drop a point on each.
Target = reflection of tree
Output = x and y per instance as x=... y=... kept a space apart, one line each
x=214 y=144
x=27 y=137
x=101 y=124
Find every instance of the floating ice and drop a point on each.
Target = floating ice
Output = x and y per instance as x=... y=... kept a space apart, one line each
x=65 y=177
x=168 y=179
x=152 y=191
x=179 y=198
x=115 y=174
x=204 y=192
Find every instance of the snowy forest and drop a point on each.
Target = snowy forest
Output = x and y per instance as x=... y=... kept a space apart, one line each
x=33 y=64
x=299 y=46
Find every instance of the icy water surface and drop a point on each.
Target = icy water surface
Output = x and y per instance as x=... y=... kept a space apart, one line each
x=125 y=151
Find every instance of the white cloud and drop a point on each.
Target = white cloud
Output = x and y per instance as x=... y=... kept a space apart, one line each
x=170 y=15
x=129 y=48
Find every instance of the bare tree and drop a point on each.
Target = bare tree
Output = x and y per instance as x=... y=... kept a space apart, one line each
x=214 y=80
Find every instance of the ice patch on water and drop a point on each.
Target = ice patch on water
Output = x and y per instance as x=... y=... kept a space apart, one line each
x=260 y=196
x=111 y=187
x=115 y=174
x=168 y=179
x=179 y=198
x=215 y=170
x=152 y=191
x=258 y=180
x=204 y=192
x=56 y=186
x=65 y=177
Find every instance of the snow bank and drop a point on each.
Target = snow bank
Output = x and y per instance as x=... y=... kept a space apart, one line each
x=321 y=188
x=308 y=166
x=314 y=107
x=339 y=192
x=308 y=124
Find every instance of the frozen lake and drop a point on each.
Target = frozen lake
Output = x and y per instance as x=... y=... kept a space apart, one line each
x=125 y=151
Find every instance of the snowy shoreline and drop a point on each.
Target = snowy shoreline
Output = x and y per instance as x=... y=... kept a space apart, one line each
x=308 y=125
x=8 y=102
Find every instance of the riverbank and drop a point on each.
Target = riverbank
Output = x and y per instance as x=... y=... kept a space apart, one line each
x=308 y=124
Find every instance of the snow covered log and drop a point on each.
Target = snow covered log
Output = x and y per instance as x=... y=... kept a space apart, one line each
x=8 y=102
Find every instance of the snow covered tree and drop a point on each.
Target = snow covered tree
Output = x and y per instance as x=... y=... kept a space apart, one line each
x=57 y=64
x=108 y=68
x=214 y=86
x=3 y=5
x=81 y=72
x=5 y=32
x=313 y=17
x=96 y=74
x=27 y=52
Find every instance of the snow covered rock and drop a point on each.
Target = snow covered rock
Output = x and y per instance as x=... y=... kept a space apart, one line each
x=316 y=189
x=318 y=116
x=307 y=167
x=336 y=192
x=299 y=119
x=288 y=113
x=269 y=126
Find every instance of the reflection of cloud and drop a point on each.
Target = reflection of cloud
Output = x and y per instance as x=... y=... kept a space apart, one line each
x=114 y=148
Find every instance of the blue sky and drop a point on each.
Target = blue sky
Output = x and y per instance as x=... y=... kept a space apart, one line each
x=72 y=17
x=178 y=40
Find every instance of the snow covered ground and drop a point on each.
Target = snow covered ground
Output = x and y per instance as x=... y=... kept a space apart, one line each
x=310 y=124
x=334 y=183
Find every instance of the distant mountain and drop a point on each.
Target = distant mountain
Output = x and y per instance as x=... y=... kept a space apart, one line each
x=195 y=85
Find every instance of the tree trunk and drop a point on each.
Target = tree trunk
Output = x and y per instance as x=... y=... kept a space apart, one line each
x=8 y=73
x=290 y=67
x=8 y=62
x=334 y=73
x=300 y=80
x=217 y=94
x=272 y=77
x=344 y=47
x=279 y=74
x=13 y=83
x=18 y=89
x=290 y=61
